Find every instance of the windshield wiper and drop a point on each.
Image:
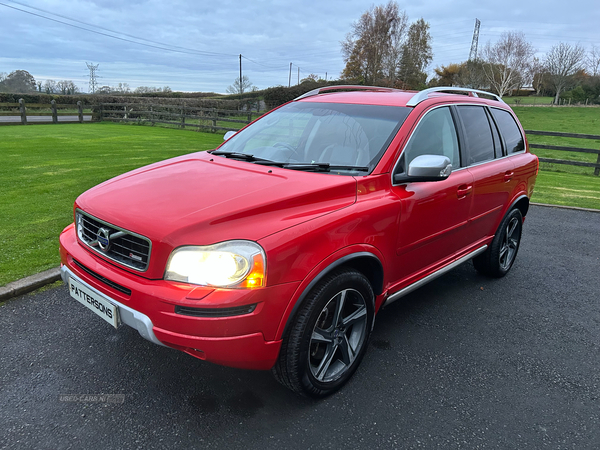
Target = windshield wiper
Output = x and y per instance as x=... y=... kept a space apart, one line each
x=323 y=167
x=242 y=156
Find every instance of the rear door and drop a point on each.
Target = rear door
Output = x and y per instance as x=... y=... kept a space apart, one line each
x=493 y=172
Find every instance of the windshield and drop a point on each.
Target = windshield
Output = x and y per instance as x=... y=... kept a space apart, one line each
x=350 y=138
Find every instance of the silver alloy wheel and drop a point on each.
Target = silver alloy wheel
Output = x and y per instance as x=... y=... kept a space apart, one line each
x=510 y=243
x=338 y=335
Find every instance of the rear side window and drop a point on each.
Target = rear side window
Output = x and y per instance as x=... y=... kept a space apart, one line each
x=510 y=131
x=480 y=145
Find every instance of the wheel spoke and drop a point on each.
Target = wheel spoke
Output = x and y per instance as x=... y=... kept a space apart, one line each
x=510 y=229
x=339 y=306
x=321 y=336
x=348 y=353
x=321 y=370
x=359 y=314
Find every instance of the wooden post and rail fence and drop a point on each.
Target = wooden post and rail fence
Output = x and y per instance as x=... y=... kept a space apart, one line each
x=11 y=113
x=181 y=116
x=214 y=119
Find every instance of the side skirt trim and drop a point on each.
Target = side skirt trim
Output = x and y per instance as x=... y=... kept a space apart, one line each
x=417 y=284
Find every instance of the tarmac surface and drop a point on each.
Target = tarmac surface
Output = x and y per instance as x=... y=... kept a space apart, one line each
x=464 y=362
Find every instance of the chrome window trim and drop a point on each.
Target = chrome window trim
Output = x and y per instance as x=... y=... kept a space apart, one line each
x=79 y=211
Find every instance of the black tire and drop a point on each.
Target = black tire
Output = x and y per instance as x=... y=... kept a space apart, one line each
x=329 y=335
x=497 y=260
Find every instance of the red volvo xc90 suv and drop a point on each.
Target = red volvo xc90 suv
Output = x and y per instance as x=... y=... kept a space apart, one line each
x=277 y=250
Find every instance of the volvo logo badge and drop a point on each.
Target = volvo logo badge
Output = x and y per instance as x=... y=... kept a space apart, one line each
x=103 y=237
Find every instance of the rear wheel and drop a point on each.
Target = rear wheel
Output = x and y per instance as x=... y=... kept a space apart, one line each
x=497 y=260
x=329 y=336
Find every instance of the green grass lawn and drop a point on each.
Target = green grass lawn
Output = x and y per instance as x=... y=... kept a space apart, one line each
x=561 y=184
x=45 y=167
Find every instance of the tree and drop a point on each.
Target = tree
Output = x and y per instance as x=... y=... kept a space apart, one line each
x=19 y=81
x=416 y=55
x=50 y=87
x=373 y=49
x=66 y=87
x=446 y=75
x=241 y=86
x=562 y=62
x=122 y=88
x=505 y=62
x=593 y=61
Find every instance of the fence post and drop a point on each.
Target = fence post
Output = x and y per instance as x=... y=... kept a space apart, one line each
x=183 y=116
x=250 y=117
x=23 y=111
x=214 y=120
x=101 y=112
x=80 y=111
x=54 y=114
x=597 y=169
x=151 y=116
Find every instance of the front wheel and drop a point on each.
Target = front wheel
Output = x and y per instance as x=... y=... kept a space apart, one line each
x=329 y=336
x=497 y=260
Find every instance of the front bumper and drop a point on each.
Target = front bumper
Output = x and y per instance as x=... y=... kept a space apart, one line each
x=151 y=307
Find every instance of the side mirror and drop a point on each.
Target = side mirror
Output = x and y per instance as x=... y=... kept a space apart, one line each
x=228 y=135
x=426 y=168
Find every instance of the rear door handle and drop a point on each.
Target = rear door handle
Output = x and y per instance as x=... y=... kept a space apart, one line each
x=508 y=175
x=464 y=190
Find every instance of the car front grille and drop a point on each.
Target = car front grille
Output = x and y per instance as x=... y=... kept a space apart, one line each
x=120 y=245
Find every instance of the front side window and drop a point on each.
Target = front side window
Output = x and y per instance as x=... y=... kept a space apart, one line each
x=435 y=135
x=309 y=134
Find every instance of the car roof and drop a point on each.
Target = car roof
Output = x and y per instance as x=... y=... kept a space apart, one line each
x=373 y=95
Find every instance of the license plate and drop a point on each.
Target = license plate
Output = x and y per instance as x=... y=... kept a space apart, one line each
x=94 y=301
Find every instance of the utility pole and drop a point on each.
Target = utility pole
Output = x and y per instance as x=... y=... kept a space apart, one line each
x=93 y=81
x=290 y=78
x=298 y=75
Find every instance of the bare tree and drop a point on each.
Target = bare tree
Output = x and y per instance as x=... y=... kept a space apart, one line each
x=3 y=76
x=562 y=62
x=66 y=87
x=505 y=62
x=240 y=86
x=372 y=50
x=593 y=61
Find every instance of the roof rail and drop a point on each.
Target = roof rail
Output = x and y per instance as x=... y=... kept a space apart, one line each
x=424 y=95
x=349 y=87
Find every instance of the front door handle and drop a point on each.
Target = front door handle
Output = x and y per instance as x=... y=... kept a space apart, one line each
x=508 y=175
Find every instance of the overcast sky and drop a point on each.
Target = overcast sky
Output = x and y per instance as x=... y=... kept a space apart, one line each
x=195 y=45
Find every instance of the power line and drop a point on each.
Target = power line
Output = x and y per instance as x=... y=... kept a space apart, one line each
x=160 y=46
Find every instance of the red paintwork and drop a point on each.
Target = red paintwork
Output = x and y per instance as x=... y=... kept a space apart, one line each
x=304 y=221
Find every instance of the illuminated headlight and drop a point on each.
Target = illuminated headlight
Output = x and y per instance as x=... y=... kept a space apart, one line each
x=233 y=264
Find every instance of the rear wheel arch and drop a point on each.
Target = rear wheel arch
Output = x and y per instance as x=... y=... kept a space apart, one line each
x=522 y=203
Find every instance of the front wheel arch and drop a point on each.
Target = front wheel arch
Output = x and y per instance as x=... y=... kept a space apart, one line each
x=364 y=262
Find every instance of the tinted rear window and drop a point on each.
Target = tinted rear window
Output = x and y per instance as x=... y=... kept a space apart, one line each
x=510 y=131
x=480 y=145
